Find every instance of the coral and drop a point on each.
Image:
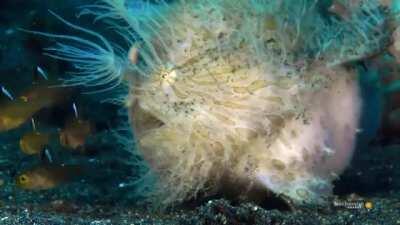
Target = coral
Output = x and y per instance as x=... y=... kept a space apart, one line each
x=234 y=92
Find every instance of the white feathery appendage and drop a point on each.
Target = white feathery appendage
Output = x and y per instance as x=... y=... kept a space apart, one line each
x=96 y=63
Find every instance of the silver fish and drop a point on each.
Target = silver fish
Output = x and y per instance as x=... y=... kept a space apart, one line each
x=33 y=123
x=75 y=110
x=42 y=73
x=6 y=93
x=48 y=155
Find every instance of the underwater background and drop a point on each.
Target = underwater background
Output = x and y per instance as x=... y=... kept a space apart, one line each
x=62 y=164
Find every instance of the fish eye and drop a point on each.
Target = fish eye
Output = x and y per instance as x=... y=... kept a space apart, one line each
x=23 y=179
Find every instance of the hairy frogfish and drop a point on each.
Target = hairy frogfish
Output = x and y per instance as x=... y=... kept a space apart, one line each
x=226 y=94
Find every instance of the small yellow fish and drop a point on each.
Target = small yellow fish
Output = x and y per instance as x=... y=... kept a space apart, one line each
x=48 y=176
x=44 y=95
x=14 y=113
x=75 y=133
x=33 y=143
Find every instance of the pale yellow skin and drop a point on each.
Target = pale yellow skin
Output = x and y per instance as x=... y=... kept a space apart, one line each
x=214 y=115
x=243 y=131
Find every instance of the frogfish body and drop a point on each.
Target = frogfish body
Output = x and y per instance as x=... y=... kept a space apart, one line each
x=228 y=94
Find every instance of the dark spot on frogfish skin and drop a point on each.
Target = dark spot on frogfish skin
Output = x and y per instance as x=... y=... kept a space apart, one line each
x=278 y=164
